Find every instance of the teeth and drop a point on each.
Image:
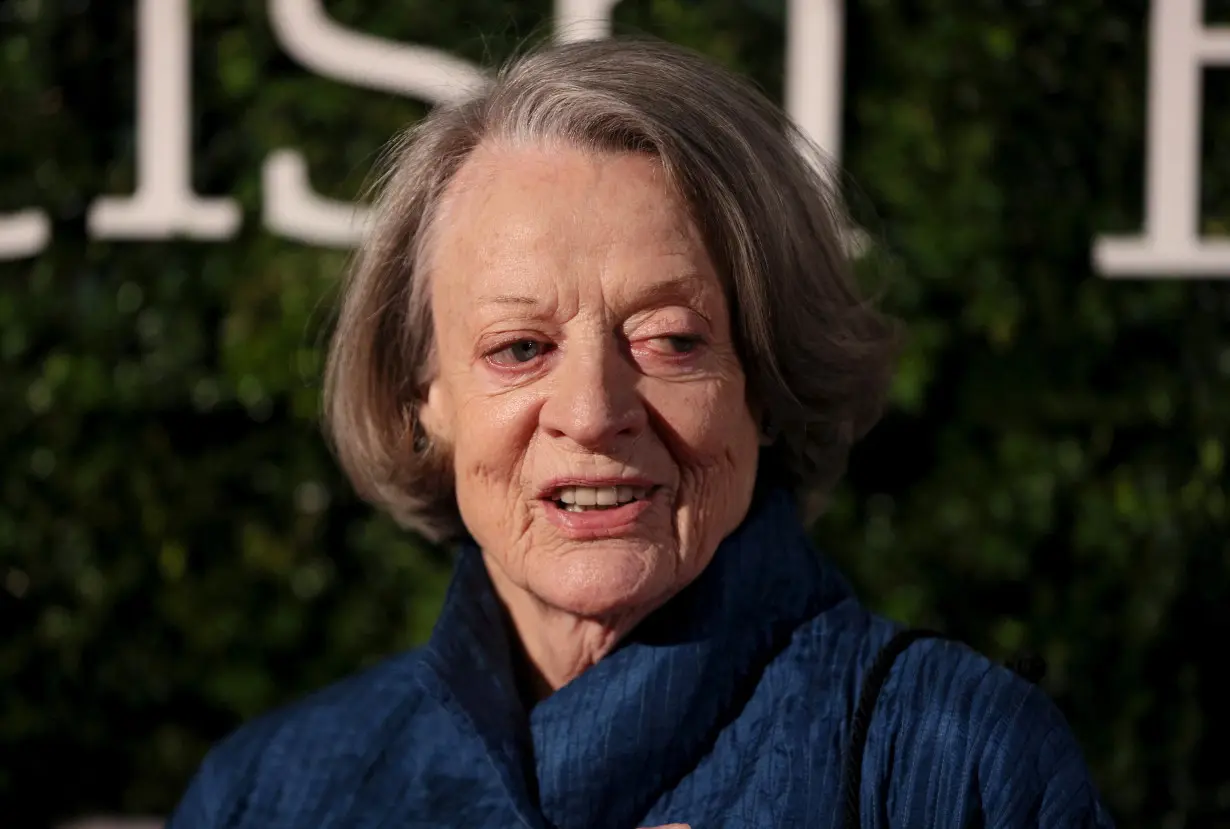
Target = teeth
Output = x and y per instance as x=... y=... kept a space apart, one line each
x=579 y=498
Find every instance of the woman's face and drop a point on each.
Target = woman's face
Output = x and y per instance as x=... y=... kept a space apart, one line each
x=586 y=380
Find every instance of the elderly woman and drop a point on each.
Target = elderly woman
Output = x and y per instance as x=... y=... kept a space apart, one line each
x=603 y=335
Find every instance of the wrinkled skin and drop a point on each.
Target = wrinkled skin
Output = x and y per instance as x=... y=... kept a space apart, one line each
x=582 y=331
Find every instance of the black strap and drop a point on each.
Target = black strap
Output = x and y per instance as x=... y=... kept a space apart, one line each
x=852 y=769
x=1031 y=667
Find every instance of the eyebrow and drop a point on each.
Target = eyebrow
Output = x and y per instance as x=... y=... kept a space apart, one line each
x=688 y=287
x=508 y=299
x=685 y=285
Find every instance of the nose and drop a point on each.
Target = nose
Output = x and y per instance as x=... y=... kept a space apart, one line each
x=594 y=401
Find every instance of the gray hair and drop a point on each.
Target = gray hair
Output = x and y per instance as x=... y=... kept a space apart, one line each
x=817 y=356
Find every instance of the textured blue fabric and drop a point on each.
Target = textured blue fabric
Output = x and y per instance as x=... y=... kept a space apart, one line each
x=729 y=707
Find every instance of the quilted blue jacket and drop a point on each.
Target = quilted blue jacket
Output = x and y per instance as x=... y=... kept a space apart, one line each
x=729 y=707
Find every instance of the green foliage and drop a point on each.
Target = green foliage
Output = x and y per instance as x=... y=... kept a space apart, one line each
x=178 y=551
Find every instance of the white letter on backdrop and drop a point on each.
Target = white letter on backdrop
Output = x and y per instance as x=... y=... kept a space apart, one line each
x=577 y=20
x=24 y=233
x=815 y=77
x=1181 y=46
x=815 y=36
x=292 y=208
x=164 y=204
x=815 y=40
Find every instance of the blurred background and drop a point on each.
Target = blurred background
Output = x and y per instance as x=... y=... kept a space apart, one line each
x=178 y=552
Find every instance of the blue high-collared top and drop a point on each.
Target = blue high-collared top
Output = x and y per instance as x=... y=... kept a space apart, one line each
x=729 y=707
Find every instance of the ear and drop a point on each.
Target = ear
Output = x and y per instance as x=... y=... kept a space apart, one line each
x=435 y=414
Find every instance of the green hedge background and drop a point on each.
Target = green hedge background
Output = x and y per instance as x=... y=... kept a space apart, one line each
x=178 y=552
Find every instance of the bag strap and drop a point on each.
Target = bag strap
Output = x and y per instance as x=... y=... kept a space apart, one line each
x=852 y=769
x=1031 y=667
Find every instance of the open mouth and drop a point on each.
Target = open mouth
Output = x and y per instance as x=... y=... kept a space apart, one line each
x=596 y=498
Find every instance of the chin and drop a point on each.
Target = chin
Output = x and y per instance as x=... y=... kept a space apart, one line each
x=601 y=580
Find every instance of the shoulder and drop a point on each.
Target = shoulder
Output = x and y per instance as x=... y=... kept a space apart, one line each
x=964 y=735
x=952 y=733
x=301 y=750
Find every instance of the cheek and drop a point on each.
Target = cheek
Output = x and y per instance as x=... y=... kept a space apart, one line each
x=717 y=447
x=711 y=421
x=492 y=436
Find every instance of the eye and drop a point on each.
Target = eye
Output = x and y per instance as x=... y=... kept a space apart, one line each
x=676 y=344
x=518 y=353
x=682 y=344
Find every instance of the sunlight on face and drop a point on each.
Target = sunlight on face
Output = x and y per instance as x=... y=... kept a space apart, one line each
x=586 y=379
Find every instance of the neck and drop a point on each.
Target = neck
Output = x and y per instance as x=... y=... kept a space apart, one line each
x=556 y=646
x=657 y=692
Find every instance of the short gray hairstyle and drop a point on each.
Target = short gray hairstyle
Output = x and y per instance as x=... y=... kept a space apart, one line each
x=817 y=355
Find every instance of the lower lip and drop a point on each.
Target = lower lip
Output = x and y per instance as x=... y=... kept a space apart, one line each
x=597 y=523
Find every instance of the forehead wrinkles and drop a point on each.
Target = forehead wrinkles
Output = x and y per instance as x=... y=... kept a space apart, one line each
x=561 y=203
x=547 y=177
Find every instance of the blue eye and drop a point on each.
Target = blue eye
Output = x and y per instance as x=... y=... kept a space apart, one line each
x=525 y=350
x=519 y=352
